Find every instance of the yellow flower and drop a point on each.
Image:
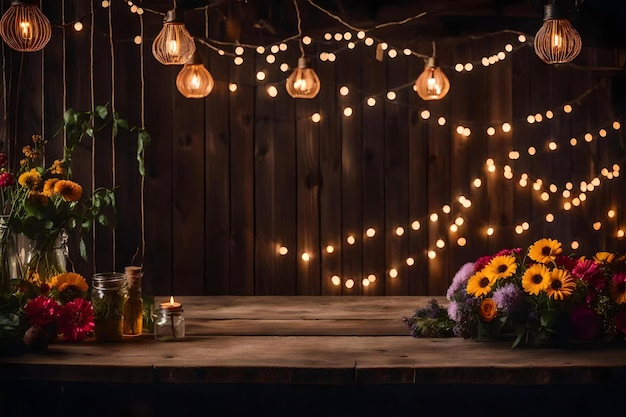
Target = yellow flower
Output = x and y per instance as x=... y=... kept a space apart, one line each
x=479 y=284
x=536 y=279
x=544 y=250
x=48 y=187
x=68 y=279
x=69 y=190
x=29 y=152
x=502 y=266
x=561 y=284
x=30 y=179
x=603 y=257
x=57 y=167
x=487 y=309
x=38 y=199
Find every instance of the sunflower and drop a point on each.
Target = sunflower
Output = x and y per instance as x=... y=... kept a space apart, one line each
x=502 y=266
x=618 y=288
x=30 y=179
x=48 y=187
x=69 y=190
x=544 y=250
x=604 y=257
x=561 y=284
x=479 y=284
x=536 y=279
x=68 y=279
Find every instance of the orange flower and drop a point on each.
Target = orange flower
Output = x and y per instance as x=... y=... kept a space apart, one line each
x=487 y=309
x=30 y=179
x=48 y=187
x=69 y=190
x=38 y=199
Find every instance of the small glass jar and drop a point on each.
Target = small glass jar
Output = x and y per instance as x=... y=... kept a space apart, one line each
x=107 y=297
x=169 y=325
x=133 y=304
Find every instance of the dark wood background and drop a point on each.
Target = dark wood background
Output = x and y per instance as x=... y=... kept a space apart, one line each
x=233 y=177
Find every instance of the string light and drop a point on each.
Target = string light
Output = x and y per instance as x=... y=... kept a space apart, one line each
x=24 y=27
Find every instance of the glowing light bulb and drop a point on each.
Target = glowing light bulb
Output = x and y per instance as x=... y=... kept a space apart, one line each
x=415 y=225
x=78 y=26
x=232 y=87
x=506 y=127
x=557 y=41
x=490 y=231
x=575 y=245
x=477 y=182
x=315 y=117
x=351 y=240
x=283 y=250
x=24 y=27
x=335 y=280
x=371 y=232
x=194 y=80
x=330 y=249
x=432 y=254
x=434 y=217
x=440 y=243
x=393 y=273
x=349 y=283
x=549 y=217
x=174 y=45
x=399 y=231
x=365 y=282
x=303 y=81
x=461 y=241
x=305 y=257
x=432 y=84
x=410 y=261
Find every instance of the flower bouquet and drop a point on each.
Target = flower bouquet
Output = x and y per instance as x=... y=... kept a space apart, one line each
x=533 y=297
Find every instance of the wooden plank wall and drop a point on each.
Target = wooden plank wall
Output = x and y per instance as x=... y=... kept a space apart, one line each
x=233 y=178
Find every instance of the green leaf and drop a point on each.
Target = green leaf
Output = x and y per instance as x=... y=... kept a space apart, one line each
x=103 y=220
x=102 y=112
x=89 y=131
x=83 y=249
x=122 y=123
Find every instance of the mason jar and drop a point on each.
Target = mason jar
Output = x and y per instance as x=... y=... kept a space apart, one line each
x=169 y=325
x=107 y=298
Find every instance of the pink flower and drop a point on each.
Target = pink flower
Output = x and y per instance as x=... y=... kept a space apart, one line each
x=6 y=179
x=76 y=319
x=41 y=311
x=482 y=262
x=589 y=271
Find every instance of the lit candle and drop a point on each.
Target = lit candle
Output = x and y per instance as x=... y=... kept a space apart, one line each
x=172 y=305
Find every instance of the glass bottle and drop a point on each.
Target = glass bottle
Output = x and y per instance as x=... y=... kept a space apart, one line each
x=10 y=267
x=107 y=297
x=169 y=325
x=133 y=305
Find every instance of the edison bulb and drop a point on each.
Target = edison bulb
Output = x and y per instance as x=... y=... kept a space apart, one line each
x=556 y=42
x=194 y=80
x=24 y=27
x=432 y=84
x=303 y=81
x=173 y=45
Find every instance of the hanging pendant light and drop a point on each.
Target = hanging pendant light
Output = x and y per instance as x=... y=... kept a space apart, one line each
x=173 y=45
x=432 y=83
x=556 y=42
x=303 y=81
x=24 y=27
x=194 y=80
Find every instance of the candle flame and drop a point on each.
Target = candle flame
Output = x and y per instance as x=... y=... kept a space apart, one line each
x=172 y=300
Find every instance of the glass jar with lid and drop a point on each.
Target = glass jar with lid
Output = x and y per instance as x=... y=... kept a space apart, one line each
x=169 y=325
x=107 y=297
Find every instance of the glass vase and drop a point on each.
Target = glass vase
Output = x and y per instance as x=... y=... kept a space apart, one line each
x=10 y=267
x=43 y=258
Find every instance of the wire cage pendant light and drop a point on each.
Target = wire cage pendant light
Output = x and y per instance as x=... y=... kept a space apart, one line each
x=556 y=42
x=24 y=27
x=174 y=45
x=303 y=81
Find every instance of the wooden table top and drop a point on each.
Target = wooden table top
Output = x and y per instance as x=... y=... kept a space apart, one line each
x=310 y=340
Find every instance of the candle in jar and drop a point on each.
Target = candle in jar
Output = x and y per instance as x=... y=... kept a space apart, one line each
x=172 y=305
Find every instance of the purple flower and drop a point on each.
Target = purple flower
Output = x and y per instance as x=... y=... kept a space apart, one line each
x=460 y=279
x=508 y=298
x=453 y=311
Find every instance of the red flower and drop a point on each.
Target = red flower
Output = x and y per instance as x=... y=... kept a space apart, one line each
x=76 y=319
x=566 y=262
x=482 y=262
x=6 y=179
x=3 y=159
x=589 y=271
x=41 y=311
